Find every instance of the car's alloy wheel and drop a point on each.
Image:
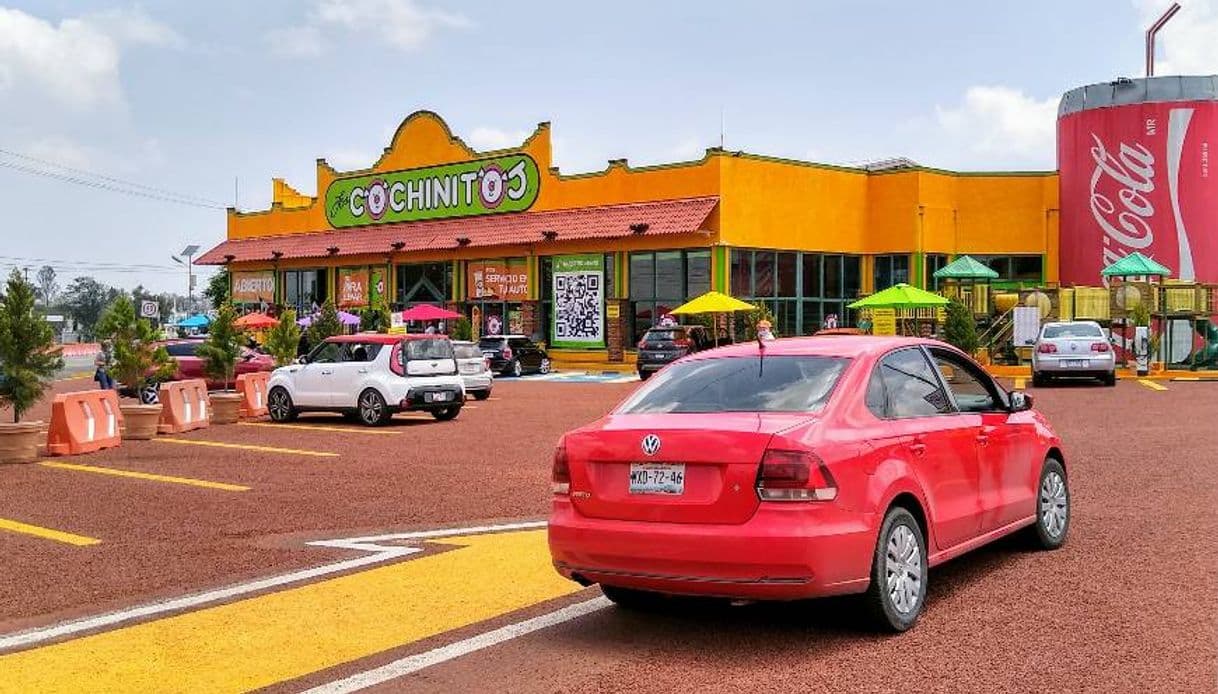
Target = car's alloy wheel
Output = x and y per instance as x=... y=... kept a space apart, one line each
x=1052 y=506
x=545 y=366
x=149 y=394
x=444 y=415
x=372 y=408
x=897 y=591
x=279 y=405
x=516 y=369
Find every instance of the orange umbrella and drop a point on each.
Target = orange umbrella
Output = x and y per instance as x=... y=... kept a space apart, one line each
x=255 y=321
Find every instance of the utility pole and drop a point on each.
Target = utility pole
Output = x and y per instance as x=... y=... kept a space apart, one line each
x=188 y=253
x=26 y=269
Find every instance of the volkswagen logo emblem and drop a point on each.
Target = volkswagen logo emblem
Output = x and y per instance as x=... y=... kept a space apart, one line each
x=651 y=444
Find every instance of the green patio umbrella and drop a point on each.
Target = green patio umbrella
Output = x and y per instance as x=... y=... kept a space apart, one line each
x=965 y=268
x=1135 y=265
x=901 y=296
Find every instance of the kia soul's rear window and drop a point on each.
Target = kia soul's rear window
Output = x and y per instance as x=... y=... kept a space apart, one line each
x=427 y=349
x=740 y=384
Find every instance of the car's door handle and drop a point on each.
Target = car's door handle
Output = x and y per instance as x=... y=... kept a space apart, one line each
x=983 y=440
x=918 y=446
x=363 y=371
x=326 y=373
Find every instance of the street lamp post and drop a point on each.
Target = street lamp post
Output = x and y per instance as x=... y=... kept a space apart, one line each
x=188 y=253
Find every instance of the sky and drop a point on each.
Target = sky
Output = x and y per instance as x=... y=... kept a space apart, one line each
x=201 y=104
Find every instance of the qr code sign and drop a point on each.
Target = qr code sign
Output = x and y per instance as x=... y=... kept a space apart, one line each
x=577 y=306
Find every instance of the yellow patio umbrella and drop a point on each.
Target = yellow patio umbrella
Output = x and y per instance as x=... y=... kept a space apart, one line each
x=714 y=302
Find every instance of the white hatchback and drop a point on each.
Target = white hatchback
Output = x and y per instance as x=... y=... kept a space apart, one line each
x=369 y=377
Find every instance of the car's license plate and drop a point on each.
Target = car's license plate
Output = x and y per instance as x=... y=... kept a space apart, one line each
x=657 y=478
x=437 y=397
x=1077 y=363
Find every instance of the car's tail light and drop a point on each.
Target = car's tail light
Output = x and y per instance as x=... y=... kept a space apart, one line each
x=681 y=342
x=1099 y=347
x=486 y=363
x=794 y=476
x=507 y=352
x=560 y=475
x=642 y=344
x=395 y=360
x=1046 y=348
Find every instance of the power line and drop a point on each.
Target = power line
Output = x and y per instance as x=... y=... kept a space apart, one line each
x=112 y=179
x=96 y=185
x=91 y=263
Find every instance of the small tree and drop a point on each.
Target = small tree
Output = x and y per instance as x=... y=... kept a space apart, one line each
x=28 y=358
x=135 y=356
x=375 y=319
x=283 y=339
x=462 y=329
x=217 y=288
x=959 y=329
x=325 y=324
x=223 y=346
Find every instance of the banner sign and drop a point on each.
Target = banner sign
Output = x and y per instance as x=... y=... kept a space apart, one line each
x=579 y=301
x=253 y=287
x=486 y=186
x=150 y=309
x=377 y=288
x=352 y=287
x=506 y=280
x=883 y=321
x=1136 y=177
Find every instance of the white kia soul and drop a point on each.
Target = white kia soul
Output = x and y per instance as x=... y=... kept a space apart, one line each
x=369 y=377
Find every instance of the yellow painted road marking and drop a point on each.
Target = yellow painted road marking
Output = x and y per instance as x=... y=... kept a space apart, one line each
x=147 y=476
x=272 y=638
x=244 y=447
x=1020 y=383
x=1151 y=384
x=46 y=534
x=319 y=427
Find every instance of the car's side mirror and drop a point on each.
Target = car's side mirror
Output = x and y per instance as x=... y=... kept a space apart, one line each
x=1020 y=401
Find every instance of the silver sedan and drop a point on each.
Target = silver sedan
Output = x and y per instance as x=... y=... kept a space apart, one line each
x=1075 y=349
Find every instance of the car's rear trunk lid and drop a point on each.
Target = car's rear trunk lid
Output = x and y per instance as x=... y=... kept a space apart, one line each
x=719 y=452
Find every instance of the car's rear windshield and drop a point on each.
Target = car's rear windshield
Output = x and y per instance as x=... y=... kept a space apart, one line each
x=491 y=342
x=467 y=351
x=1072 y=330
x=667 y=335
x=740 y=384
x=427 y=349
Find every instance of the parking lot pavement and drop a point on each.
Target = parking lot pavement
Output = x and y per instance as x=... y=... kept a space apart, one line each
x=1125 y=606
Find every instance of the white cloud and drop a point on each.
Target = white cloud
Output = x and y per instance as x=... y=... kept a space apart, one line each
x=687 y=149
x=402 y=24
x=1001 y=121
x=1187 y=45
x=76 y=62
x=61 y=150
x=350 y=159
x=484 y=138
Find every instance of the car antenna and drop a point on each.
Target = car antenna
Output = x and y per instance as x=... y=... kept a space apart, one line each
x=760 y=355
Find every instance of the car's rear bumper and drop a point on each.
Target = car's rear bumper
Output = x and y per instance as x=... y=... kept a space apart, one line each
x=1059 y=367
x=422 y=398
x=784 y=552
x=478 y=383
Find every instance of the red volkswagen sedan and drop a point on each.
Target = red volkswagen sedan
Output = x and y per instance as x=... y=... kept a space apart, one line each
x=801 y=468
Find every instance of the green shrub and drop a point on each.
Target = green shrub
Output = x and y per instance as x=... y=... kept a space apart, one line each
x=283 y=340
x=960 y=330
x=223 y=346
x=462 y=329
x=325 y=324
x=28 y=358
x=135 y=356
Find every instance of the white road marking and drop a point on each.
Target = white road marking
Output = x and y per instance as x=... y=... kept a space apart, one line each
x=379 y=554
x=414 y=663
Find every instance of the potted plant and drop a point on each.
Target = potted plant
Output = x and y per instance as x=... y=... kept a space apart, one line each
x=220 y=353
x=959 y=328
x=135 y=359
x=28 y=362
x=283 y=340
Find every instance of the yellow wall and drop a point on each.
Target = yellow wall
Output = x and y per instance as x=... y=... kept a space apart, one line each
x=764 y=202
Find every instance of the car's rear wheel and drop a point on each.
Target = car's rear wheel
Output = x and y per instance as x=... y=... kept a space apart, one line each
x=1110 y=379
x=372 y=409
x=279 y=405
x=644 y=375
x=481 y=394
x=515 y=369
x=898 y=572
x=631 y=599
x=1052 y=507
x=446 y=413
x=544 y=367
x=149 y=393
x=1039 y=380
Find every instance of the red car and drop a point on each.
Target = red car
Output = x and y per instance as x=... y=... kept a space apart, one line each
x=190 y=365
x=802 y=468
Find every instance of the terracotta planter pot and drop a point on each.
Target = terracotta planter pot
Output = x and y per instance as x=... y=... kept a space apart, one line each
x=224 y=408
x=19 y=442
x=139 y=421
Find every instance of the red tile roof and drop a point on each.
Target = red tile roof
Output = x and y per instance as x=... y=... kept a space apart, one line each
x=610 y=221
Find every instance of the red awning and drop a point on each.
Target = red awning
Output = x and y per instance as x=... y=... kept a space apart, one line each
x=683 y=216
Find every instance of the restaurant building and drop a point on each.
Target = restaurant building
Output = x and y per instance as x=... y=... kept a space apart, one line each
x=586 y=262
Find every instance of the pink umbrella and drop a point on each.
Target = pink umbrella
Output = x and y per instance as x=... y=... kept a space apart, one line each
x=428 y=312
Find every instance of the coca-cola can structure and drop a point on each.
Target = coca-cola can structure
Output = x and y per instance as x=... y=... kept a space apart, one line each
x=1134 y=157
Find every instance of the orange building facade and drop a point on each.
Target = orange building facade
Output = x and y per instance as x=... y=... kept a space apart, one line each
x=589 y=261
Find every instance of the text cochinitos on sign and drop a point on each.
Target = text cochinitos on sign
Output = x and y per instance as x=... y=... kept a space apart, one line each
x=487 y=186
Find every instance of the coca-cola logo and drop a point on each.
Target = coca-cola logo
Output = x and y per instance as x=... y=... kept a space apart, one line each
x=1133 y=171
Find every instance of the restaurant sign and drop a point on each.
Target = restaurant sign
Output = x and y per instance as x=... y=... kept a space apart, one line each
x=503 y=280
x=352 y=287
x=485 y=186
x=253 y=287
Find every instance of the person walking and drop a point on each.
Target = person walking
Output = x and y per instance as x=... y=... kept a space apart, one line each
x=101 y=374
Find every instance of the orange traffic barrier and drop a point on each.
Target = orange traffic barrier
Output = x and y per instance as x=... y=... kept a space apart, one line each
x=184 y=406
x=252 y=388
x=84 y=422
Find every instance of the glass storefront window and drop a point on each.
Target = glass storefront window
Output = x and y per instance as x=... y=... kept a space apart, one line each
x=669 y=275
x=642 y=275
x=811 y=278
x=305 y=290
x=1014 y=268
x=852 y=276
x=423 y=283
x=763 y=273
x=786 y=274
x=833 y=276
x=890 y=270
x=742 y=273
x=662 y=280
x=697 y=273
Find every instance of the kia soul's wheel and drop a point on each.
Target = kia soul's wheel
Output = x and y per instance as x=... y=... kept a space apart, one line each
x=481 y=394
x=149 y=393
x=279 y=405
x=544 y=368
x=898 y=573
x=372 y=408
x=446 y=413
x=515 y=368
x=1052 y=507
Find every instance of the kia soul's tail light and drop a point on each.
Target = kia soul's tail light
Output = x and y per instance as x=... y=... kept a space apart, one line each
x=794 y=476
x=560 y=474
x=1047 y=348
x=507 y=352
